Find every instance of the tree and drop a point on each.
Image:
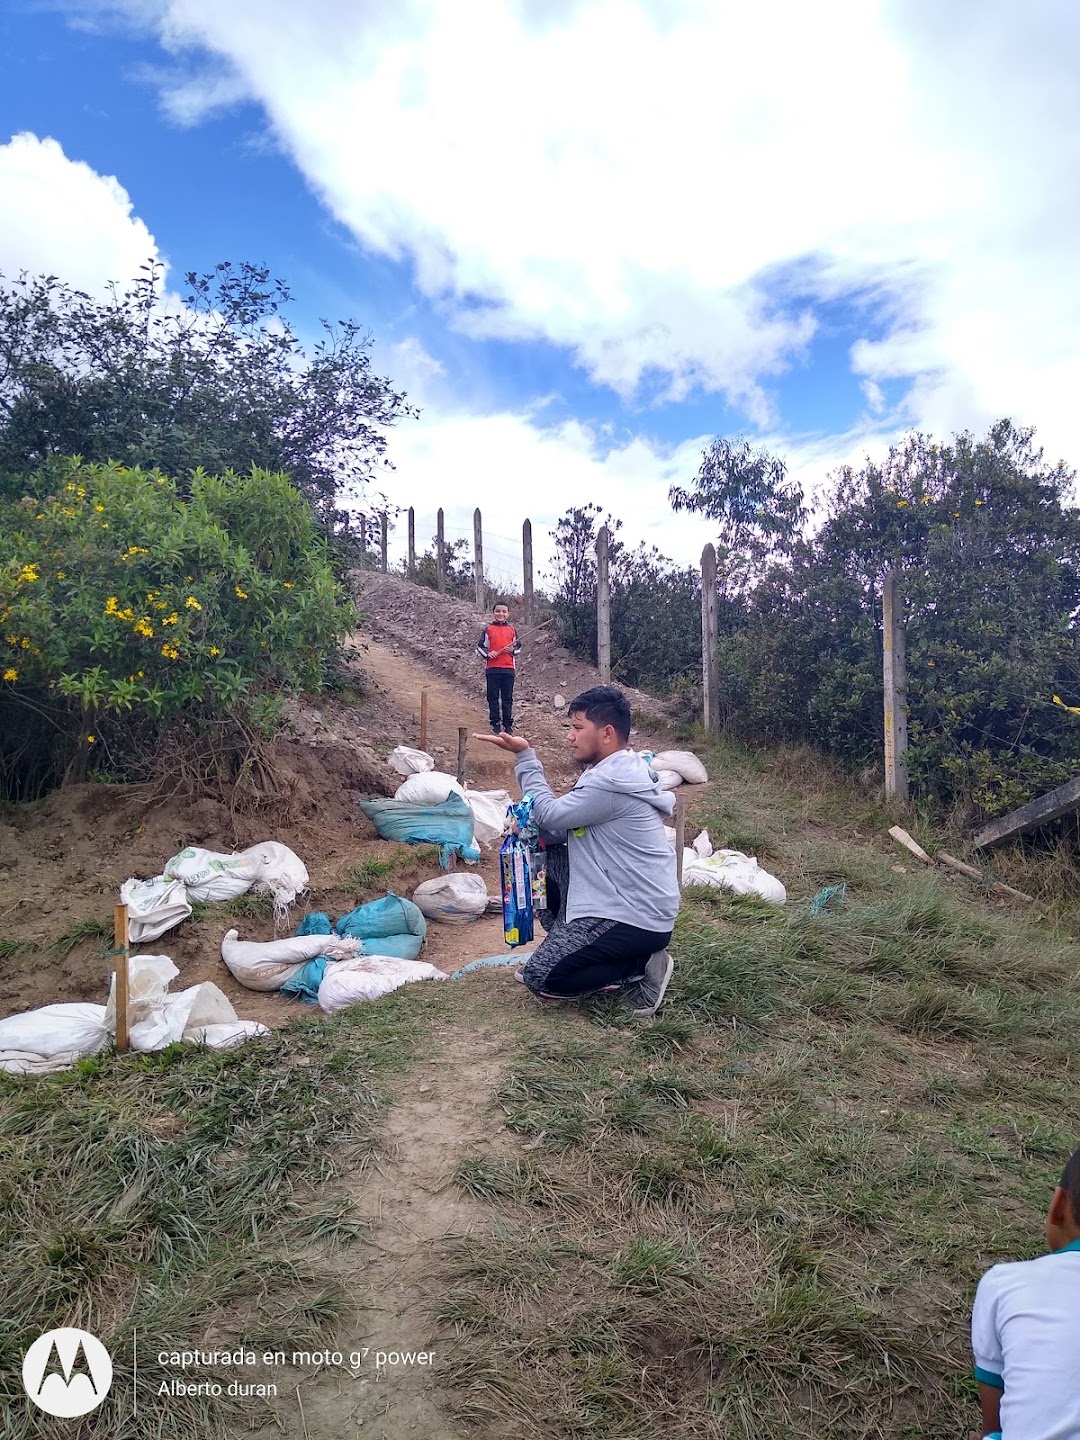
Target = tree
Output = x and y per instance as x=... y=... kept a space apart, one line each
x=760 y=511
x=221 y=382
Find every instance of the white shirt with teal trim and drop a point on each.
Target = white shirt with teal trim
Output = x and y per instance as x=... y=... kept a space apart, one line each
x=1025 y=1332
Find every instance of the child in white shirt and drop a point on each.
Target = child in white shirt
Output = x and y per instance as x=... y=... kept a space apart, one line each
x=1025 y=1332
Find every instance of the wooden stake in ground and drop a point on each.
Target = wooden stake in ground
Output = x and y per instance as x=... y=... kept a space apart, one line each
x=383 y=526
x=423 y=718
x=478 y=559
x=603 y=607
x=440 y=553
x=710 y=640
x=527 y=570
x=412 y=543
x=120 y=971
x=895 y=676
x=462 y=737
x=680 y=834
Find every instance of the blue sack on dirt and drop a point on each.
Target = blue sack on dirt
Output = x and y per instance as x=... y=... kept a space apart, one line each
x=449 y=825
x=305 y=983
x=402 y=947
x=317 y=923
x=392 y=915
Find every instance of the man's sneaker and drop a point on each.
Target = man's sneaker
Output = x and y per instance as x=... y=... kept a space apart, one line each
x=651 y=991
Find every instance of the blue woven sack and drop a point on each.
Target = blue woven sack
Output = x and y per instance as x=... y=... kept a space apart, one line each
x=449 y=825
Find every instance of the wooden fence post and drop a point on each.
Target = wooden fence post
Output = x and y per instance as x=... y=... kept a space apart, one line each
x=383 y=526
x=440 y=555
x=894 y=651
x=462 y=739
x=527 y=569
x=423 y=718
x=412 y=543
x=120 y=971
x=478 y=560
x=710 y=660
x=362 y=522
x=680 y=835
x=603 y=607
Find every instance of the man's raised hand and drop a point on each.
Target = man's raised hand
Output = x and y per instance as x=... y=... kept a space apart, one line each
x=514 y=744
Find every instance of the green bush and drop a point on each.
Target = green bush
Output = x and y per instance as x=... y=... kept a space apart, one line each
x=125 y=605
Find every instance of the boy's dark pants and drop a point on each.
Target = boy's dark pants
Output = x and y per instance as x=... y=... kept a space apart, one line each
x=500 y=690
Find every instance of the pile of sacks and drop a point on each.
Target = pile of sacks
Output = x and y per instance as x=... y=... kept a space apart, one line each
x=156 y=905
x=677 y=767
x=56 y=1036
x=424 y=785
x=369 y=952
x=730 y=869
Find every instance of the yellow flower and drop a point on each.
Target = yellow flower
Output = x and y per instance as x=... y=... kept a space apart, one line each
x=191 y=603
x=28 y=574
x=111 y=605
x=241 y=593
x=90 y=739
x=900 y=504
x=140 y=674
x=978 y=502
x=170 y=619
x=25 y=643
x=214 y=650
x=99 y=508
x=288 y=584
x=170 y=651
x=61 y=574
x=10 y=674
x=143 y=627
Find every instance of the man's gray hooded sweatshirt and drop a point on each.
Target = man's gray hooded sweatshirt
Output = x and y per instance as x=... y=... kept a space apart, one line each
x=622 y=866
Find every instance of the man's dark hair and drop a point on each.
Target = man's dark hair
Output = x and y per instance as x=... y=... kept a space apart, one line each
x=604 y=705
x=1070 y=1183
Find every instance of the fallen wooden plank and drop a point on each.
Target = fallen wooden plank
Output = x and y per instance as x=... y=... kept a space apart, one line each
x=903 y=838
x=1030 y=816
x=944 y=858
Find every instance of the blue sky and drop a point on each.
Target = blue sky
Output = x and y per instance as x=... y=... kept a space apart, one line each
x=589 y=235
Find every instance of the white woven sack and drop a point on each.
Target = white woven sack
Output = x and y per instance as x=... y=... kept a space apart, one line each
x=430 y=788
x=219 y=1037
x=456 y=899
x=669 y=779
x=209 y=875
x=370 y=978
x=51 y=1038
x=407 y=761
x=488 y=812
x=734 y=871
x=683 y=763
x=266 y=965
x=278 y=869
x=154 y=906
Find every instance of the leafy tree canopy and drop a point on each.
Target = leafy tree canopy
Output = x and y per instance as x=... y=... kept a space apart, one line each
x=220 y=382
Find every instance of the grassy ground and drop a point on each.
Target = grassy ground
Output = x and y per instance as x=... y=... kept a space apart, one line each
x=764 y=1216
x=192 y=1194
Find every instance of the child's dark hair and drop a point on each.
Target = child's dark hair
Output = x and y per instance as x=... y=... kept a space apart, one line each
x=1070 y=1183
x=504 y=603
x=604 y=705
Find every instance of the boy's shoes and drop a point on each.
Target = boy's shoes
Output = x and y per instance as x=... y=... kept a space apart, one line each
x=649 y=995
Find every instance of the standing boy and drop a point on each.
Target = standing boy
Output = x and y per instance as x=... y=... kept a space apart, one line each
x=1025 y=1331
x=497 y=647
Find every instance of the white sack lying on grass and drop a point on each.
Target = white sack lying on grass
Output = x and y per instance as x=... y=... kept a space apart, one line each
x=209 y=875
x=734 y=871
x=51 y=1038
x=455 y=899
x=154 y=906
x=370 y=977
x=155 y=1017
x=685 y=764
x=267 y=964
x=669 y=779
x=431 y=787
x=220 y=1037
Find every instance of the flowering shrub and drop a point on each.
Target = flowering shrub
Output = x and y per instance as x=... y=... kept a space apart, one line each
x=119 y=598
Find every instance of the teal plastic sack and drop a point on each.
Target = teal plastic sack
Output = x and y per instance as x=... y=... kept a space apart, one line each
x=305 y=983
x=392 y=915
x=402 y=947
x=317 y=923
x=449 y=825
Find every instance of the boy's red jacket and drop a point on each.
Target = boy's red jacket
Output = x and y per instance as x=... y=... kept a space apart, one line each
x=494 y=637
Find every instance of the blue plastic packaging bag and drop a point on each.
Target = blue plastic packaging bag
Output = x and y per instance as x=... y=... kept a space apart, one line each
x=522 y=873
x=449 y=825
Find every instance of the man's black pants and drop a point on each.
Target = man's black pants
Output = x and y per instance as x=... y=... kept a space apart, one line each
x=500 y=691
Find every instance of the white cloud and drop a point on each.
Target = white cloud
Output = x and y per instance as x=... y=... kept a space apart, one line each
x=63 y=218
x=670 y=185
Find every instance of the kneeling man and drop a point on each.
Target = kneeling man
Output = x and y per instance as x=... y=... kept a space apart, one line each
x=612 y=889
